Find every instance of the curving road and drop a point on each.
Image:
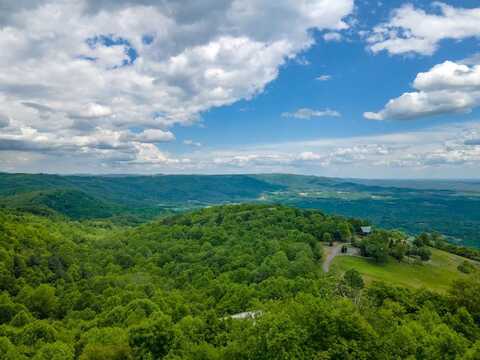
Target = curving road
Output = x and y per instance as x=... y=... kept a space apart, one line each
x=335 y=250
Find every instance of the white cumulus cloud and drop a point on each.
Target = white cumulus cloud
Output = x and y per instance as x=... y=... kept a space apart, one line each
x=332 y=36
x=92 y=111
x=448 y=87
x=154 y=136
x=414 y=30
x=324 y=77
x=76 y=70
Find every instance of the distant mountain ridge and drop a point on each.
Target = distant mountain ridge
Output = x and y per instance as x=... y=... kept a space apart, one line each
x=450 y=207
x=144 y=190
x=83 y=197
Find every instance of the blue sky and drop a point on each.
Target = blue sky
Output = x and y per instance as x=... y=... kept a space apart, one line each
x=241 y=87
x=360 y=81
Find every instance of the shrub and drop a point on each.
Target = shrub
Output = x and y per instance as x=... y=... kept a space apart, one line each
x=466 y=267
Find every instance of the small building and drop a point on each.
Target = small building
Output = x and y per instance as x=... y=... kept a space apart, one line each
x=246 y=315
x=365 y=230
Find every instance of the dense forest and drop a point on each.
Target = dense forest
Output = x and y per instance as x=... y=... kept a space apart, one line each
x=226 y=282
x=449 y=207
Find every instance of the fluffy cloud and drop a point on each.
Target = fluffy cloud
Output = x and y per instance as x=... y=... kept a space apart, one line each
x=323 y=77
x=448 y=76
x=101 y=147
x=192 y=143
x=413 y=30
x=308 y=156
x=77 y=70
x=306 y=113
x=446 y=88
x=321 y=155
x=154 y=136
x=435 y=152
x=442 y=151
x=332 y=36
x=90 y=111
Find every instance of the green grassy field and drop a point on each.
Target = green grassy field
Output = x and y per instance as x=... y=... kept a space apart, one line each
x=437 y=274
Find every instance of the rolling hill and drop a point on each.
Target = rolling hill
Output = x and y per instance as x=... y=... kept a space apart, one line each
x=74 y=204
x=449 y=207
x=179 y=288
x=145 y=190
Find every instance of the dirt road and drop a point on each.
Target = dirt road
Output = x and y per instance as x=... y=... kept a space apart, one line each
x=333 y=251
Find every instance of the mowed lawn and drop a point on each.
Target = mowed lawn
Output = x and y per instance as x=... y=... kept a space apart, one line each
x=436 y=274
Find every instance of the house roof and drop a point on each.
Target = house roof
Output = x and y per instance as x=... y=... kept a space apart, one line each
x=366 y=229
x=247 y=315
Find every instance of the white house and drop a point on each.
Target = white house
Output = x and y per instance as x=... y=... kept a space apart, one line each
x=366 y=230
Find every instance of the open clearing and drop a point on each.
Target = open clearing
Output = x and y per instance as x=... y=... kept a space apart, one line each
x=437 y=274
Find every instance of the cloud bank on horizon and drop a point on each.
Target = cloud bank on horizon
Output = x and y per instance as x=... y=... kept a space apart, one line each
x=108 y=86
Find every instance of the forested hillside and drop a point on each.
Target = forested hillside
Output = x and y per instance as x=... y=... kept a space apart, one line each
x=449 y=207
x=229 y=282
x=142 y=191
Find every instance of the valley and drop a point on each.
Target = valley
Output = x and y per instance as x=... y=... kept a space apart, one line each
x=449 y=207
